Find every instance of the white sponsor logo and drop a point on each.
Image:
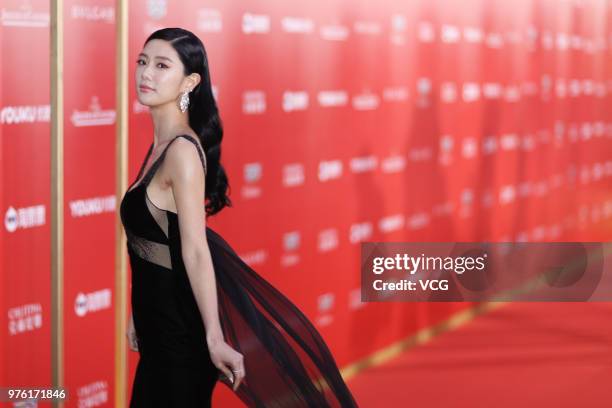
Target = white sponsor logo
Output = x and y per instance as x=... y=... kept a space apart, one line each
x=529 y=88
x=251 y=191
x=157 y=9
x=367 y=27
x=253 y=172
x=293 y=175
x=424 y=86
x=334 y=32
x=363 y=164
x=209 y=20
x=560 y=88
x=365 y=101
x=392 y=223
x=450 y=34
x=92 y=302
x=93 y=394
x=512 y=93
x=494 y=40
x=420 y=154
x=399 y=24
x=514 y=37
x=291 y=240
x=253 y=102
x=509 y=141
x=554 y=231
x=138 y=107
x=93 y=13
x=24 y=318
x=360 y=231
x=255 y=23
x=443 y=209
x=487 y=199
x=355 y=299
x=562 y=41
x=395 y=94
x=256 y=257
x=545 y=86
x=473 y=34
x=547 y=40
x=447 y=143
x=426 y=32
x=96 y=205
x=467 y=197
x=418 y=221
x=332 y=98
x=329 y=170
x=393 y=164
x=528 y=142
x=24 y=17
x=328 y=239
x=95 y=116
x=575 y=88
x=13 y=115
x=325 y=303
x=532 y=37
x=27 y=217
x=448 y=92
x=295 y=101
x=297 y=25
x=470 y=148
x=538 y=233
x=522 y=236
x=289 y=259
x=471 y=92
x=489 y=145
x=507 y=194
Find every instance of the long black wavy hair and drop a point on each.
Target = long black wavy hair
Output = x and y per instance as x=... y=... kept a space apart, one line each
x=204 y=116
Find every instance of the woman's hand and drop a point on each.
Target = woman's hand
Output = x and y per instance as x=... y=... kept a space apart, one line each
x=131 y=335
x=228 y=361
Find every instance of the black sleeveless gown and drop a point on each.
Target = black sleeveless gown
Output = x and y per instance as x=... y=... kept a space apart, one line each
x=287 y=362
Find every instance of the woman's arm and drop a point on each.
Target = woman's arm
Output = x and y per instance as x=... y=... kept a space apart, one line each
x=186 y=174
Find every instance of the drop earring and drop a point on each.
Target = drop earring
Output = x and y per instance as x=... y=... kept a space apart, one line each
x=184 y=103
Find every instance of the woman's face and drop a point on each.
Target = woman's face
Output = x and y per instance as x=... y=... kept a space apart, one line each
x=159 y=75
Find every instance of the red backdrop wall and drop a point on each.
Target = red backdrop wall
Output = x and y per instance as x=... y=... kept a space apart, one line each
x=344 y=122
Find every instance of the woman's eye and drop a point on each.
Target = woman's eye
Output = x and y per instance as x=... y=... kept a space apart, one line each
x=162 y=65
x=139 y=61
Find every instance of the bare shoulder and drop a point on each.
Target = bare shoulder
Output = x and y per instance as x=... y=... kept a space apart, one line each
x=183 y=160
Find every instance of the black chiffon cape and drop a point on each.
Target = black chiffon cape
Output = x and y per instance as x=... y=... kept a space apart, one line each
x=287 y=362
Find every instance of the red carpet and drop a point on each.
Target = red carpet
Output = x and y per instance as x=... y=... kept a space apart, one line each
x=519 y=355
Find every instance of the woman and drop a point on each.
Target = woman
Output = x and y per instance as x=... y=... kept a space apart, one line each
x=198 y=311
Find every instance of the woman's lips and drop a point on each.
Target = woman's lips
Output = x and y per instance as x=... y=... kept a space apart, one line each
x=144 y=88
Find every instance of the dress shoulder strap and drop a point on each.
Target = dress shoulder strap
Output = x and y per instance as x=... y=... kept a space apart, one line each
x=197 y=145
x=149 y=175
x=144 y=163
